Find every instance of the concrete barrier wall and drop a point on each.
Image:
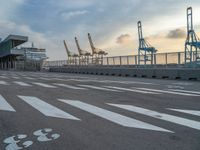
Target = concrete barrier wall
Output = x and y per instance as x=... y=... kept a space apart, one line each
x=160 y=73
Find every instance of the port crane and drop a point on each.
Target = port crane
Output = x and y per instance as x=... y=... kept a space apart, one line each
x=192 y=44
x=97 y=54
x=84 y=55
x=145 y=50
x=72 y=57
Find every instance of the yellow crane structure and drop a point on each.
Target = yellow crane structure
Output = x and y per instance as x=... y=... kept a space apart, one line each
x=72 y=57
x=84 y=55
x=97 y=54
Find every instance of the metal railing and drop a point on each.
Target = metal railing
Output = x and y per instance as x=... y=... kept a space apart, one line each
x=163 y=59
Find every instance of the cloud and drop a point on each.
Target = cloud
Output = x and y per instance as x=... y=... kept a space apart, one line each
x=176 y=34
x=48 y=23
x=123 y=39
x=72 y=14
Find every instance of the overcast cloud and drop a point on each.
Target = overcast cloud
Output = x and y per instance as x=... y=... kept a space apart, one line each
x=48 y=23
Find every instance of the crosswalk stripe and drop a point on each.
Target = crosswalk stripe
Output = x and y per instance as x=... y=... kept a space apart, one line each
x=42 y=78
x=110 y=81
x=113 y=117
x=15 y=77
x=44 y=85
x=170 y=92
x=131 y=90
x=22 y=83
x=128 y=82
x=162 y=116
x=3 y=83
x=47 y=109
x=98 y=88
x=192 y=112
x=4 y=105
x=29 y=78
x=185 y=91
x=69 y=86
x=3 y=77
x=58 y=79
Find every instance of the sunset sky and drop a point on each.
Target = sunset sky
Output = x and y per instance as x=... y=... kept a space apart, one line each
x=112 y=24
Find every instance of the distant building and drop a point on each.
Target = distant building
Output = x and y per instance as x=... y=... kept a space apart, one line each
x=13 y=57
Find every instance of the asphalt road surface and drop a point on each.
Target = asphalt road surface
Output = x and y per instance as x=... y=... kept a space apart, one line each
x=55 y=111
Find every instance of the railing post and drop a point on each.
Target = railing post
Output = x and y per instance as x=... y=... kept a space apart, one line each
x=127 y=60
x=179 y=58
x=166 y=58
x=155 y=59
x=107 y=60
x=120 y=60
x=136 y=61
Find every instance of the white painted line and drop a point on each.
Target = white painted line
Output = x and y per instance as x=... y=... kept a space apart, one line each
x=113 y=117
x=29 y=78
x=185 y=91
x=44 y=85
x=175 y=87
x=21 y=83
x=4 y=105
x=129 y=82
x=191 y=112
x=98 y=88
x=58 y=79
x=3 y=77
x=15 y=77
x=69 y=86
x=47 y=109
x=182 y=83
x=3 y=83
x=45 y=79
x=174 y=119
x=131 y=90
x=111 y=81
x=165 y=91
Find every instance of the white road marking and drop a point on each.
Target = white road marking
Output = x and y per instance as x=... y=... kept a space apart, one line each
x=113 y=117
x=58 y=79
x=44 y=85
x=3 y=77
x=185 y=91
x=192 y=112
x=131 y=90
x=69 y=86
x=42 y=78
x=15 y=77
x=162 y=116
x=165 y=91
x=129 y=82
x=111 y=81
x=175 y=87
x=47 y=109
x=3 y=83
x=4 y=105
x=98 y=88
x=29 y=78
x=22 y=83
x=182 y=83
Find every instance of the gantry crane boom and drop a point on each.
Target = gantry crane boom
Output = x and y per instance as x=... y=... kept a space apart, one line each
x=71 y=56
x=81 y=52
x=145 y=49
x=67 y=50
x=192 y=44
x=94 y=49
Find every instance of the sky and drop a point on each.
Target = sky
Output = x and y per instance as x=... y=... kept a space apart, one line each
x=112 y=24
